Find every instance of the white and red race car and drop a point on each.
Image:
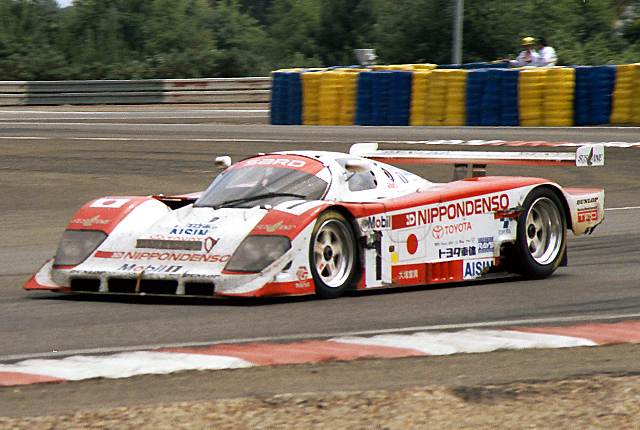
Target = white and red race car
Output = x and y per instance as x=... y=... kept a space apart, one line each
x=314 y=222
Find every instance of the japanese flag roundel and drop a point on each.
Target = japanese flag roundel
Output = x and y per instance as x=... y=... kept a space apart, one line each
x=107 y=202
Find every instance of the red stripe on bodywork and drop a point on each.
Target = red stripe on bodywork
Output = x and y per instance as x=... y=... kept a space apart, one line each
x=312 y=351
x=602 y=334
x=8 y=379
x=33 y=284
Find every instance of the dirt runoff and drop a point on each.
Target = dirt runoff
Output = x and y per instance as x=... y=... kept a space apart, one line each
x=596 y=402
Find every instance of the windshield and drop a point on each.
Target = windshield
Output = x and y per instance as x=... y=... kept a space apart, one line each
x=251 y=185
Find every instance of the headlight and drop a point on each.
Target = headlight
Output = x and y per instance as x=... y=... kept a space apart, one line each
x=257 y=252
x=76 y=245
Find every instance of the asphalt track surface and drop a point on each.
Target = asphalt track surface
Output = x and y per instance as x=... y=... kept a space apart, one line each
x=49 y=167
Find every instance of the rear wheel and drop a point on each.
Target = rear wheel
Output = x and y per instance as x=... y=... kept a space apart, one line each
x=542 y=235
x=332 y=254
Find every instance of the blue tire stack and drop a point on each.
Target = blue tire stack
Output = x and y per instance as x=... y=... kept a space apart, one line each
x=381 y=97
x=582 y=96
x=286 y=98
x=278 y=98
x=602 y=91
x=400 y=98
x=491 y=104
x=364 y=97
x=476 y=80
x=509 y=97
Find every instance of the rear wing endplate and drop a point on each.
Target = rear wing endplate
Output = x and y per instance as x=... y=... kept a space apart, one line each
x=474 y=163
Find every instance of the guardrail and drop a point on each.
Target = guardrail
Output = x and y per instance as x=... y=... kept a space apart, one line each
x=151 y=91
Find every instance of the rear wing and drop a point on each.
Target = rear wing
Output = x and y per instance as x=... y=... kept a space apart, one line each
x=475 y=162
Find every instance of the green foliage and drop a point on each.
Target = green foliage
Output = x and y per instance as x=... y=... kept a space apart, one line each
x=122 y=39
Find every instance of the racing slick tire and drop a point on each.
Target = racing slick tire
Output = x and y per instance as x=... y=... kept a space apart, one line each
x=541 y=235
x=333 y=255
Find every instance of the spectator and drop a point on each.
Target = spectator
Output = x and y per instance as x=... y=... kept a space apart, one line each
x=547 y=55
x=528 y=56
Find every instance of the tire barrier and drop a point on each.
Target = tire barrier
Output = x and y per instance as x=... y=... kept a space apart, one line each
x=211 y=90
x=626 y=95
x=477 y=95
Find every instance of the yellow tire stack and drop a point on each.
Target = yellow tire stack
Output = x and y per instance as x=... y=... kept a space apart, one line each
x=419 y=91
x=531 y=90
x=425 y=66
x=436 y=97
x=329 y=98
x=348 y=79
x=635 y=99
x=558 y=97
x=311 y=98
x=626 y=95
x=454 y=113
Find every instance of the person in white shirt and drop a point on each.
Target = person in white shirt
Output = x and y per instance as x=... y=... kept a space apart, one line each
x=547 y=55
x=528 y=56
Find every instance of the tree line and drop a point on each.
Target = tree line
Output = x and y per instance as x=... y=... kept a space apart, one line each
x=133 y=39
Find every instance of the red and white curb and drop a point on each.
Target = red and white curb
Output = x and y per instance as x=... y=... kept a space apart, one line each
x=235 y=356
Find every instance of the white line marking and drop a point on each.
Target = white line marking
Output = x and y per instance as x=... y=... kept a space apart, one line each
x=25 y=138
x=626 y=208
x=294 y=337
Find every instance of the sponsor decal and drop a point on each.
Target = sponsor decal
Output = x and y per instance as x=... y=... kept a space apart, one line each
x=283 y=162
x=486 y=245
x=138 y=268
x=452 y=211
x=272 y=228
x=588 y=215
x=88 y=222
x=377 y=223
x=411 y=274
x=109 y=203
x=439 y=231
x=192 y=229
x=302 y=273
x=163 y=256
x=408 y=275
x=506 y=228
x=172 y=237
x=209 y=243
x=302 y=284
x=476 y=268
x=595 y=157
x=581 y=202
x=457 y=252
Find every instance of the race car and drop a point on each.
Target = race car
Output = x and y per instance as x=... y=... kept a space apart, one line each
x=316 y=222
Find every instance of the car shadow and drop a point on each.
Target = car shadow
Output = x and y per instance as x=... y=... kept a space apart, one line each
x=259 y=301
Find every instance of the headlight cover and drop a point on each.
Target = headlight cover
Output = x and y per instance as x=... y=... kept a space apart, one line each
x=257 y=252
x=76 y=245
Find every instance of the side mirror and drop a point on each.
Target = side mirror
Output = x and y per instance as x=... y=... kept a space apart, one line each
x=357 y=165
x=222 y=162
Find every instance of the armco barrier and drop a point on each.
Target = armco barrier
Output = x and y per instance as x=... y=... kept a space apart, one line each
x=211 y=90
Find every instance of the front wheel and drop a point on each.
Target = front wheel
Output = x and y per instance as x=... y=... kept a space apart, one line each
x=542 y=235
x=332 y=254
